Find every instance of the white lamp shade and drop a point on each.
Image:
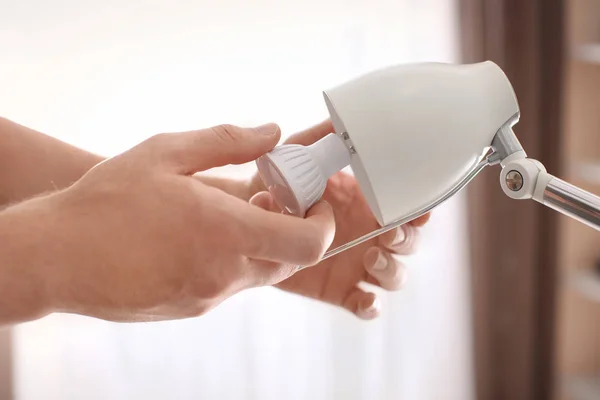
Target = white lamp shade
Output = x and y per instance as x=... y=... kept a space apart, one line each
x=418 y=129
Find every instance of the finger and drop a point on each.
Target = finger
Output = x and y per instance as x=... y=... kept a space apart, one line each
x=402 y=240
x=305 y=137
x=388 y=272
x=288 y=239
x=266 y=201
x=362 y=304
x=389 y=238
x=194 y=151
x=266 y=273
x=263 y=200
x=312 y=134
x=422 y=220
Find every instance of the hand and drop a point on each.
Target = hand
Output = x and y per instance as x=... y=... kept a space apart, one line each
x=336 y=279
x=138 y=239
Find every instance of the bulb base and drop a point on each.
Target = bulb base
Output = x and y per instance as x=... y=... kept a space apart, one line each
x=296 y=175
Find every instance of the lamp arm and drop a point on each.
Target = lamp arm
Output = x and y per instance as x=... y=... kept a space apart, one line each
x=572 y=201
x=476 y=169
x=525 y=178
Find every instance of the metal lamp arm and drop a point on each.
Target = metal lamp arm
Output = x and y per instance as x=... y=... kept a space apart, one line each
x=525 y=178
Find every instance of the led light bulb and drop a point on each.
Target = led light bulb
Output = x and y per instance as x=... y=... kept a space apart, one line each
x=296 y=175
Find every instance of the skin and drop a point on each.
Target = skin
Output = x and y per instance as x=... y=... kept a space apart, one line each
x=377 y=261
x=179 y=244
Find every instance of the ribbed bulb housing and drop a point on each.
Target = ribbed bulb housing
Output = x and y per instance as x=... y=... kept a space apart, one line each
x=296 y=175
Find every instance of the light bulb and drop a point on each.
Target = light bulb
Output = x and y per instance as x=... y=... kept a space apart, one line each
x=296 y=175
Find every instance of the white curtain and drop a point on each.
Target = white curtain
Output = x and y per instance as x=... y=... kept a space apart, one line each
x=104 y=75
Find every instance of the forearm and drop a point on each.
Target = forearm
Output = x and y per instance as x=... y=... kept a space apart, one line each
x=27 y=263
x=34 y=254
x=32 y=163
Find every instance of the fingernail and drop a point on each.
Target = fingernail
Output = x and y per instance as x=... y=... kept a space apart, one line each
x=370 y=309
x=267 y=129
x=400 y=236
x=380 y=262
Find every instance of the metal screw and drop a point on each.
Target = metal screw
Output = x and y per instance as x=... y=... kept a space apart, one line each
x=345 y=136
x=514 y=180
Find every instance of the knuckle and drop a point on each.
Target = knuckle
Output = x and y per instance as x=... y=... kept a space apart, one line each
x=208 y=289
x=227 y=133
x=280 y=273
x=314 y=250
x=161 y=147
x=159 y=141
x=197 y=309
x=272 y=274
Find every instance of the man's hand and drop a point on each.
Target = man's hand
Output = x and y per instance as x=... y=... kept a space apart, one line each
x=336 y=279
x=138 y=239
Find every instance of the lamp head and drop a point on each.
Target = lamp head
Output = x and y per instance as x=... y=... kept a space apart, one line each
x=409 y=132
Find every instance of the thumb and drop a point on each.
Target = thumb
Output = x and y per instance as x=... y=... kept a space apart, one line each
x=194 y=151
x=312 y=134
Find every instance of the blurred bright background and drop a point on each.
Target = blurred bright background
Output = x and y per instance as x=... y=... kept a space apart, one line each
x=104 y=75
